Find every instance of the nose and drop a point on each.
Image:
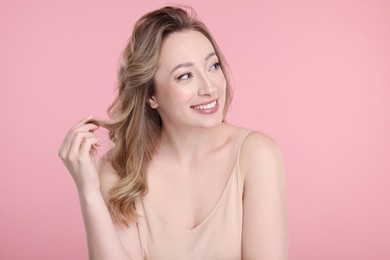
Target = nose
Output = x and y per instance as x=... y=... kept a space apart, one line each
x=206 y=87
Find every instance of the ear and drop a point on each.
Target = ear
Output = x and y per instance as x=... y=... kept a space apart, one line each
x=153 y=102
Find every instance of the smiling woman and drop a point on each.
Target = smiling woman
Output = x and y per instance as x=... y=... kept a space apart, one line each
x=180 y=182
x=196 y=83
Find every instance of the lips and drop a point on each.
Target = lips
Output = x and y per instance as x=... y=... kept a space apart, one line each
x=207 y=108
x=206 y=105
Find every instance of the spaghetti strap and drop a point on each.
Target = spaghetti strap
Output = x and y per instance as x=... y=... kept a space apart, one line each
x=243 y=136
x=242 y=139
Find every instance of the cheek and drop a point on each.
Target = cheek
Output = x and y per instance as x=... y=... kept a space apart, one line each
x=174 y=96
x=219 y=81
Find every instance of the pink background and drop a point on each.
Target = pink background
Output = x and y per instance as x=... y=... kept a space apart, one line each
x=314 y=75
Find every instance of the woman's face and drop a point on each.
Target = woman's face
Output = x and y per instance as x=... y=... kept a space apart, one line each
x=190 y=87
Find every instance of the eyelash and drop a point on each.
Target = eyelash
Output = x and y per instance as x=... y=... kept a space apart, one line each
x=186 y=74
x=217 y=66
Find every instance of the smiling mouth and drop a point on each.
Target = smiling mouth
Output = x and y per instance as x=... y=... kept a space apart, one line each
x=205 y=106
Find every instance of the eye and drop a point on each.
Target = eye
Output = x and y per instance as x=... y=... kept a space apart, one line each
x=216 y=66
x=185 y=76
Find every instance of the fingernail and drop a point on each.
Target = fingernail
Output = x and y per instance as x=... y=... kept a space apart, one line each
x=89 y=117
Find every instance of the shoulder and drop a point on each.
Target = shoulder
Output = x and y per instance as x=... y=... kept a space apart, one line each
x=259 y=142
x=264 y=198
x=259 y=154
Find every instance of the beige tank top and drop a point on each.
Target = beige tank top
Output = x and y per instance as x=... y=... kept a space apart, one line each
x=217 y=237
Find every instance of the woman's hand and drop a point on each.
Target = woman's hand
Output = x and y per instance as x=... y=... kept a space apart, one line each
x=78 y=151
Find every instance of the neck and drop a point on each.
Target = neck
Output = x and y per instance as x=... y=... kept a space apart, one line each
x=190 y=144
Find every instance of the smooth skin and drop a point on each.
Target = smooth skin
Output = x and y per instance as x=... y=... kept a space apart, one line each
x=191 y=167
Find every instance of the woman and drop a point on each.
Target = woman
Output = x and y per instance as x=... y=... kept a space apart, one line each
x=180 y=183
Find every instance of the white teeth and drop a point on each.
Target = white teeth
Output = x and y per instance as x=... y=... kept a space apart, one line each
x=208 y=106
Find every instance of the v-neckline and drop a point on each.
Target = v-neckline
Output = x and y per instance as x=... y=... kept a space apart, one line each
x=204 y=220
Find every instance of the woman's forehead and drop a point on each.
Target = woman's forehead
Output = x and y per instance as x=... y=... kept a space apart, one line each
x=187 y=46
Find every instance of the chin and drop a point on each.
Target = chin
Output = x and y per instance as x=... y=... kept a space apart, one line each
x=211 y=123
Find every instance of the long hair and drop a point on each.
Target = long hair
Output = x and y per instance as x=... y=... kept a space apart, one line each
x=134 y=126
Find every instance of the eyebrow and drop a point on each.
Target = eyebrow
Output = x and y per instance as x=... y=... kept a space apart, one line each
x=189 y=64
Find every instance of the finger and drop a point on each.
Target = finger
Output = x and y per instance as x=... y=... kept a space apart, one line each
x=63 y=151
x=72 y=132
x=86 y=146
x=74 y=149
x=71 y=139
x=93 y=152
x=82 y=122
x=67 y=140
x=86 y=127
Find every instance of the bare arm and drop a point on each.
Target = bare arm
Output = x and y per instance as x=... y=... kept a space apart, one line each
x=265 y=215
x=78 y=152
x=103 y=240
x=127 y=235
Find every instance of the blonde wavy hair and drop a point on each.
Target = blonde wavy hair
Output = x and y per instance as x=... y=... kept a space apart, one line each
x=134 y=126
